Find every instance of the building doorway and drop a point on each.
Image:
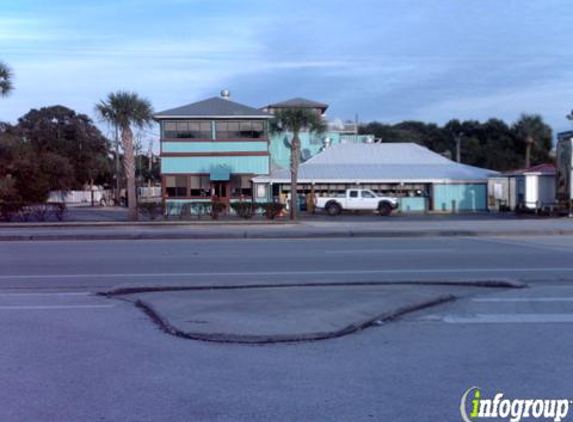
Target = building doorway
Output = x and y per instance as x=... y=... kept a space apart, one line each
x=220 y=192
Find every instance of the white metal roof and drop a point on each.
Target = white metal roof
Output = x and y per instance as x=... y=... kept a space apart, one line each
x=380 y=163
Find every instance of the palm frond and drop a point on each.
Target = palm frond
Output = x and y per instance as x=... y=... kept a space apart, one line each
x=296 y=119
x=6 y=76
x=124 y=109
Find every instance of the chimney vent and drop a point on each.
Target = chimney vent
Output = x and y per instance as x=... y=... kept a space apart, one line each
x=226 y=94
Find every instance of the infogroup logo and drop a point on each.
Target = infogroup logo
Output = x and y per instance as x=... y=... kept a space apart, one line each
x=474 y=407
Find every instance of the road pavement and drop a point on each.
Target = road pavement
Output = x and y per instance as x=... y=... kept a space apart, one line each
x=68 y=355
x=107 y=264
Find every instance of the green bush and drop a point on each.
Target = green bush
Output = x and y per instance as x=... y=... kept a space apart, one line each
x=217 y=208
x=25 y=212
x=8 y=210
x=59 y=209
x=244 y=209
x=41 y=211
x=152 y=210
x=271 y=209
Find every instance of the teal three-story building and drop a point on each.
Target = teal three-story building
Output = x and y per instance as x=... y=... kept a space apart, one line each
x=211 y=149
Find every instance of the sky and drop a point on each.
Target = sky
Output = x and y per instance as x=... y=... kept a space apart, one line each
x=385 y=60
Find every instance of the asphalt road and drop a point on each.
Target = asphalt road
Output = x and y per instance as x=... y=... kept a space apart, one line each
x=105 y=264
x=67 y=355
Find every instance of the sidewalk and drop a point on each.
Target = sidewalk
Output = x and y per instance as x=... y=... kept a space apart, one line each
x=354 y=226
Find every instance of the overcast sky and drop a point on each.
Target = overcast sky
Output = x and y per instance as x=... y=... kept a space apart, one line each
x=387 y=60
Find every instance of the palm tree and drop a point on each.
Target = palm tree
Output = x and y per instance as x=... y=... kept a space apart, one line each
x=124 y=109
x=6 y=85
x=532 y=130
x=295 y=120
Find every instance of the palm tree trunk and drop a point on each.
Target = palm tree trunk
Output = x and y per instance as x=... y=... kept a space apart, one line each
x=129 y=169
x=294 y=161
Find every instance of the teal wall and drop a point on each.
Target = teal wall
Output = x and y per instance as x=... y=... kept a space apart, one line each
x=311 y=144
x=468 y=197
x=218 y=146
x=234 y=164
x=416 y=204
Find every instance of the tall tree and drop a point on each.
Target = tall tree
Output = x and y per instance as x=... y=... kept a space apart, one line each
x=6 y=75
x=60 y=130
x=295 y=120
x=124 y=110
x=533 y=132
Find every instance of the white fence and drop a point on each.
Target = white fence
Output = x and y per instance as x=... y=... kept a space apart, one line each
x=80 y=196
x=150 y=192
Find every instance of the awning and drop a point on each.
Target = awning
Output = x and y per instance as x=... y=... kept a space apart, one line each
x=220 y=175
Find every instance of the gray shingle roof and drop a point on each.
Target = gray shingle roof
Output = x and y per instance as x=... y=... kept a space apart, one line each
x=213 y=107
x=379 y=163
x=299 y=102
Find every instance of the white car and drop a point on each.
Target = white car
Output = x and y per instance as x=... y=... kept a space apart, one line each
x=357 y=200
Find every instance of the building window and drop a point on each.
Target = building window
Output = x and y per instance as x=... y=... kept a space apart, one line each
x=176 y=186
x=200 y=186
x=187 y=130
x=261 y=191
x=241 y=185
x=243 y=129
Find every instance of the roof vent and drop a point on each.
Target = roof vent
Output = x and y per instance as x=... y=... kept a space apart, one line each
x=226 y=94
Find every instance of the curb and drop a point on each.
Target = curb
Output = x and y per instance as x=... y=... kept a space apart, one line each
x=504 y=284
x=132 y=224
x=279 y=235
x=386 y=317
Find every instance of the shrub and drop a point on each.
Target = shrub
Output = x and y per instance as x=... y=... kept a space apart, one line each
x=25 y=212
x=217 y=208
x=272 y=209
x=59 y=209
x=41 y=211
x=244 y=209
x=152 y=210
x=9 y=210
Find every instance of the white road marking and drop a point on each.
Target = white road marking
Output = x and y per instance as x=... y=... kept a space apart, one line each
x=528 y=244
x=508 y=319
x=54 y=307
x=387 y=251
x=522 y=299
x=10 y=294
x=279 y=273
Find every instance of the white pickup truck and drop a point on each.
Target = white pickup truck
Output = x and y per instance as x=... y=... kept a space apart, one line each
x=357 y=200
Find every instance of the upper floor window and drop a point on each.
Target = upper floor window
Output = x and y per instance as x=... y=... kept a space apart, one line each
x=240 y=129
x=190 y=129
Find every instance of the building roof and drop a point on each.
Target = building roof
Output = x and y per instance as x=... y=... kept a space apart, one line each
x=380 y=163
x=546 y=168
x=213 y=107
x=299 y=103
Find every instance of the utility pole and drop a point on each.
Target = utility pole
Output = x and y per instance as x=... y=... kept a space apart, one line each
x=356 y=127
x=149 y=164
x=459 y=147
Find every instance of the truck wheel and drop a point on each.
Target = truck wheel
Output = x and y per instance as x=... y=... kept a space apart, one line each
x=385 y=209
x=333 y=209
